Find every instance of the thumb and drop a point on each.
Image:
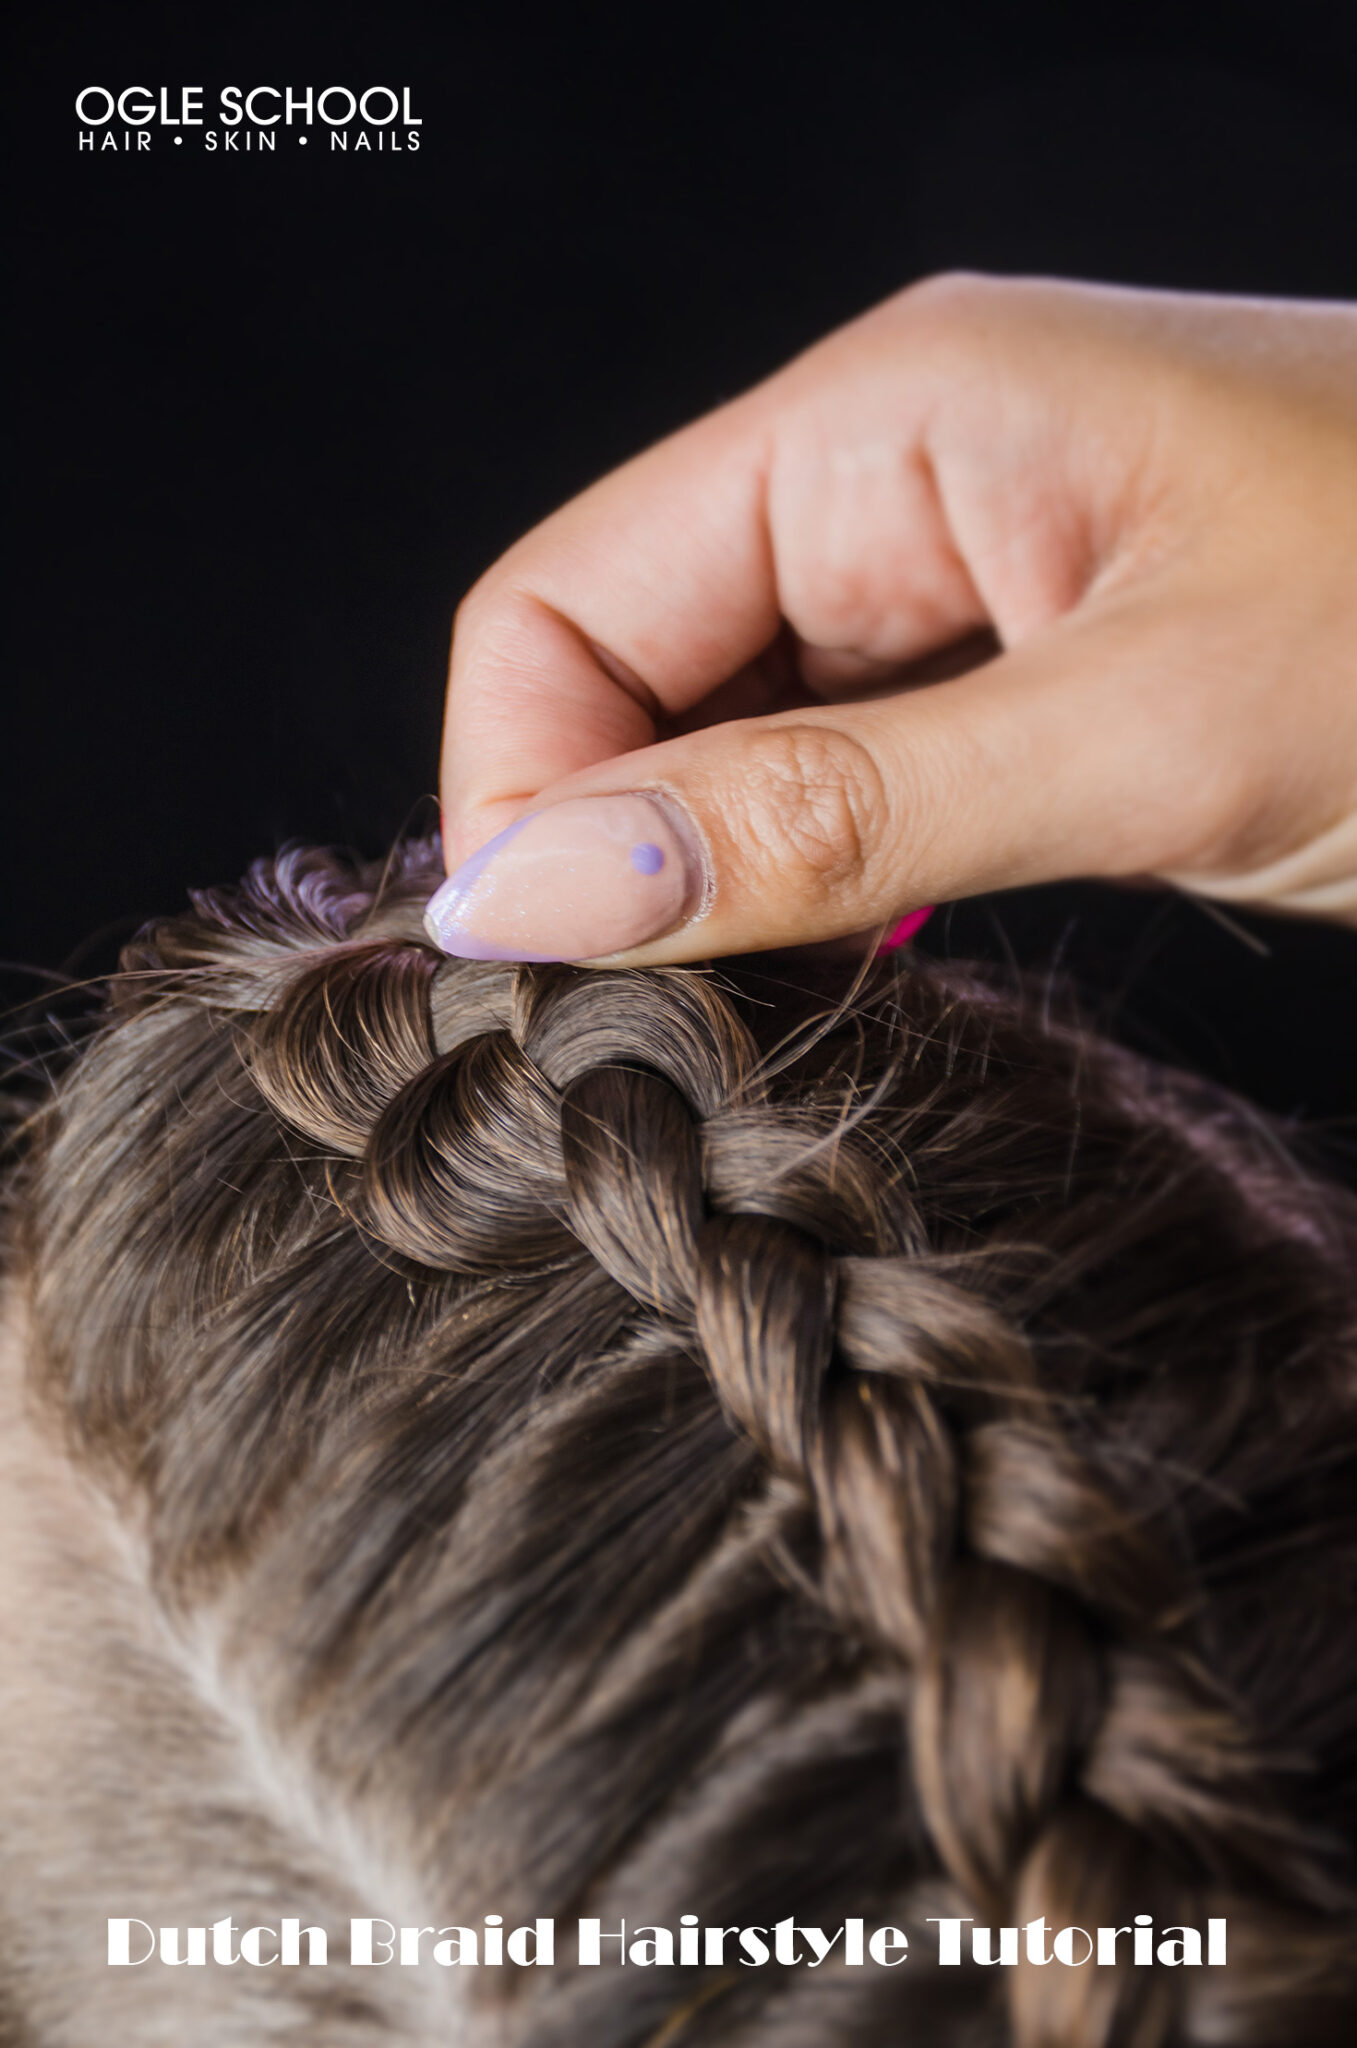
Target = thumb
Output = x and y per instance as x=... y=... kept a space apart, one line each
x=1058 y=758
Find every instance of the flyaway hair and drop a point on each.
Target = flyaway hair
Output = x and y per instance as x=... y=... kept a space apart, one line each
x=551 y=1443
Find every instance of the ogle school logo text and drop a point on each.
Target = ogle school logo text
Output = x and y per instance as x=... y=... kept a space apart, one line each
x=134 y=117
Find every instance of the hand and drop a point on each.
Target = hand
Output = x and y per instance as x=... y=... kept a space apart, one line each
x=683 y=709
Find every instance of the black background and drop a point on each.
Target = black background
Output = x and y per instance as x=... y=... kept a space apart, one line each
x=273 y=413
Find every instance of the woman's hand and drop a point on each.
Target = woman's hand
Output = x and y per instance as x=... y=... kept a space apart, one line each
x=684 y=708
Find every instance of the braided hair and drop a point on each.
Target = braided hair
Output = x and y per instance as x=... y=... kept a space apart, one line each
x=680 y=1442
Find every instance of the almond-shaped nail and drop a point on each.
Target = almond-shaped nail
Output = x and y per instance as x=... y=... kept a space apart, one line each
x=585 y=878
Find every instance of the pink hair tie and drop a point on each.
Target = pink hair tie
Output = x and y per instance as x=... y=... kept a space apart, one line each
x=902 y=933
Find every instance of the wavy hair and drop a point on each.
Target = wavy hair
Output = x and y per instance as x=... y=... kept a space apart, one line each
x=551 y=1442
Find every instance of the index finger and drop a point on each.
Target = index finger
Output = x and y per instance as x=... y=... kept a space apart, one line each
x=806 y=500
x=624 y=608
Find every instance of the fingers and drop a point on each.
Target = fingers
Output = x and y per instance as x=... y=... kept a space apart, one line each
x=1145 y=499
x=623 y=609
x=810 y=503
x=811 y=824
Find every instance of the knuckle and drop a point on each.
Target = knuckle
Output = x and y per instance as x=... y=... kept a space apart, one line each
x=953 y=294
x=946 y=286
x=951 y=310
x=476 y=600
x=487 y=600
x=496 y=624
x=470 y=623
x=818 y=807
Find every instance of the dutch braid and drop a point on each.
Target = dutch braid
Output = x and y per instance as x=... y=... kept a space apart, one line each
x=934 y=1470
x=964 y=1530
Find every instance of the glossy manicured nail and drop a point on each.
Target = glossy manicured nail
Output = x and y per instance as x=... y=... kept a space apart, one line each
x=900 y=934
x=588 y=877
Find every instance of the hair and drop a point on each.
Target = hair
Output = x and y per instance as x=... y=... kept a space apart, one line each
x=547 y=1442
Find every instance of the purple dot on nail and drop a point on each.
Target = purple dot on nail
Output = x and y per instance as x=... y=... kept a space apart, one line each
x=647 y=859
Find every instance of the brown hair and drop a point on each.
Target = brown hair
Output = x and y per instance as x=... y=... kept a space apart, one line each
x=668 y=1442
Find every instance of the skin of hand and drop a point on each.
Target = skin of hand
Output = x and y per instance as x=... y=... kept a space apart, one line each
x=1147 y=501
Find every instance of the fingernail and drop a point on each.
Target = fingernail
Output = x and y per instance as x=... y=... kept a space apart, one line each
x=588 y=877
x=902 y=933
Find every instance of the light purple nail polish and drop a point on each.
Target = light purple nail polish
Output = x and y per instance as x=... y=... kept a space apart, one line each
x=465 y=877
